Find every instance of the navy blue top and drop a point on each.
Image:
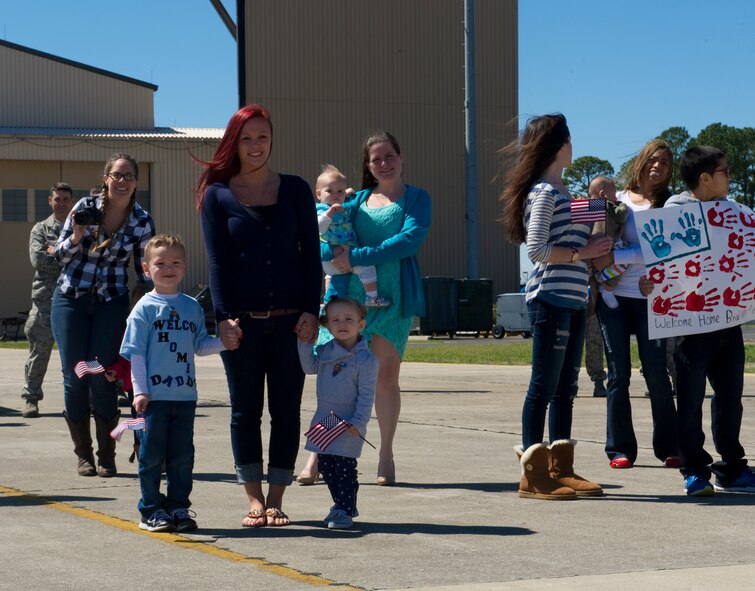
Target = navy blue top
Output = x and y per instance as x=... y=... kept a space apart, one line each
x=263 y=258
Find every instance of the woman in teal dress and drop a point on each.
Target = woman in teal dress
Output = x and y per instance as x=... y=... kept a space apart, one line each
x=391 y=220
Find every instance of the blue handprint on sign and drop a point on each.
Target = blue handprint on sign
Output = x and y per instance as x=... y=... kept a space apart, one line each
x=654 y=235
x=691 y=236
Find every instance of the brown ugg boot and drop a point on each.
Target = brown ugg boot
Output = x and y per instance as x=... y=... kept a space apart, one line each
x=82 y=445
x=106 y=446
x=536 y=480
x=562 y=469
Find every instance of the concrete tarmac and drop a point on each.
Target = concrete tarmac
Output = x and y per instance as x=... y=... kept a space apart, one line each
x=453 y=522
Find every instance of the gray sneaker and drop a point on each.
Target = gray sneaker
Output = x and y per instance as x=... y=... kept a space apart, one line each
x=339 y=520
x=158 y=521
x=31 y=410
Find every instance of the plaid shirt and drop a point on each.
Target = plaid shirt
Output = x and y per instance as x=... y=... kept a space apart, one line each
x=105 y=269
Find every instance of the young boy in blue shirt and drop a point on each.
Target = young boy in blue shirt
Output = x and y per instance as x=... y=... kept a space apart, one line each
x=163 y=331
x=718 y=355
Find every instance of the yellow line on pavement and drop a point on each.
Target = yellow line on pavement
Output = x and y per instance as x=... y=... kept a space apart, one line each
x=179 y=541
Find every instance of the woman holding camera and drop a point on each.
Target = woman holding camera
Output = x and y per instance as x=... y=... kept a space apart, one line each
x=89 y=307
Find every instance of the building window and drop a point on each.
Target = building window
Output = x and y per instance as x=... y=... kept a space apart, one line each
x=42 y=208
x=144 y=198
x=14 y=205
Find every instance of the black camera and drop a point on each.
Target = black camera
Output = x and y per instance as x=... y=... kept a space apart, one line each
x=88 y=214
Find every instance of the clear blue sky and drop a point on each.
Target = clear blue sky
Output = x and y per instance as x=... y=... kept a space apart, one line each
x=621 y=71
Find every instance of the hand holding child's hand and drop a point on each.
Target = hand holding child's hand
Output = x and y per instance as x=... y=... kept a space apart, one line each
x=307 y=328
x=140 y=403
x=230 y=333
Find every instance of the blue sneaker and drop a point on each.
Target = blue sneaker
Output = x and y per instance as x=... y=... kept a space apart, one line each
x=697 y=486
x=745 y=482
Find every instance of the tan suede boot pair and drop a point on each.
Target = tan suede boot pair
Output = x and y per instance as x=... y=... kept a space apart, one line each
x=548 y=473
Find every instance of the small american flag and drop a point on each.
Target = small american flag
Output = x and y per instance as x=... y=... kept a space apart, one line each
x=325 y=432
x=585 y=211
x=88 y=367
x=137 y=424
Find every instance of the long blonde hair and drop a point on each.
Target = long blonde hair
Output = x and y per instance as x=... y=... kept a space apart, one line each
x=660 y=192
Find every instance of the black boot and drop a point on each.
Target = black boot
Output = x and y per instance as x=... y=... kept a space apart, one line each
x=106 y=446
x=600 y=389
x=82 y=442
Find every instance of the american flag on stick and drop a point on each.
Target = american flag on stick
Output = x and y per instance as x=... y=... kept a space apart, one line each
x=585 y=211
x=137 y=424
x=325 y=432
x=88 y=367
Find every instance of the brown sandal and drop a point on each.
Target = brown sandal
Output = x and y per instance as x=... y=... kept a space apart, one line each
x=274 y=513
x=258 y=515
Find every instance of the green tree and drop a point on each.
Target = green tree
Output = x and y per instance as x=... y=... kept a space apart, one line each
x=583 y=170
x=678 y=139
x=739 y=146
x=623 y=174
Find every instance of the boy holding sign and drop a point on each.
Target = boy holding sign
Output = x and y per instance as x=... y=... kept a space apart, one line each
x=718 y=355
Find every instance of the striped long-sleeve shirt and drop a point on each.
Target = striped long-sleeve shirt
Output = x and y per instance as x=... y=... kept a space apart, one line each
x=547 y=221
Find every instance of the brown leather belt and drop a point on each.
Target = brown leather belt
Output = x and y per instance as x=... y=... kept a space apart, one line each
x=263 y=315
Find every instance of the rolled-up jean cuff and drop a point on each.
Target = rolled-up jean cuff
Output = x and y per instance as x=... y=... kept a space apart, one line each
x=249 y=473
x=279 y=476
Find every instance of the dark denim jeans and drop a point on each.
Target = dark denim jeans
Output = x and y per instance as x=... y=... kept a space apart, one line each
x=88 y=328
x=169 y=437
x=269 y=352
x=720 y=356
x=618 y=324
x=558 y=336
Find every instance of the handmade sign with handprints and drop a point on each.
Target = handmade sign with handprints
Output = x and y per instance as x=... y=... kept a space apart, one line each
x=699 y=257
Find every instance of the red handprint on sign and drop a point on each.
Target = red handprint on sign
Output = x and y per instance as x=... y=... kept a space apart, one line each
x=747 y=219
x=695 y=266
x=661 y=273
x=721 y=217
x=735 y=297
x=666 y=306
x=736 y=241
x=732 y=298
x=702 y=302
x=657 y=274
x=729 y=264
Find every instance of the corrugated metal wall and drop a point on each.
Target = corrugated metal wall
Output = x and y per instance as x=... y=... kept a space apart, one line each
x=48 y=93
x=334 y=70
x=166 y=168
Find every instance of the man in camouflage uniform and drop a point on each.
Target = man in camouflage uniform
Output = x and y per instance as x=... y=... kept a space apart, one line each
x=594 y=344
x=38 y=332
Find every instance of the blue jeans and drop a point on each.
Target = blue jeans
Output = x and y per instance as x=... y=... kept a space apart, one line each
x=88 y=328
x=169 y=438
x=720 y=356
x=340 y=474
x=558 y=336
x=617 y=325
x=268 y=352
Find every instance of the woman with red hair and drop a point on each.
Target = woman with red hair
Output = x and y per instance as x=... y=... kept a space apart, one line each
x=263 y=251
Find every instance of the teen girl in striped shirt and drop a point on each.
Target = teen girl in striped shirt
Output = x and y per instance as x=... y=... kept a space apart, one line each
x=536 y=211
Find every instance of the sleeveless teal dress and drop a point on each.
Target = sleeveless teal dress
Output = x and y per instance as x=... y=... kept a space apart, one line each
x=373 y=226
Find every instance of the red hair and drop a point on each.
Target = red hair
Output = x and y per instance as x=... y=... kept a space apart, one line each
x=225 y=163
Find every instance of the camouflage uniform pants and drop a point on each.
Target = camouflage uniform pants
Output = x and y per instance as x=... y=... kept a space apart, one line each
x=594 y=350
x=39 y=334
